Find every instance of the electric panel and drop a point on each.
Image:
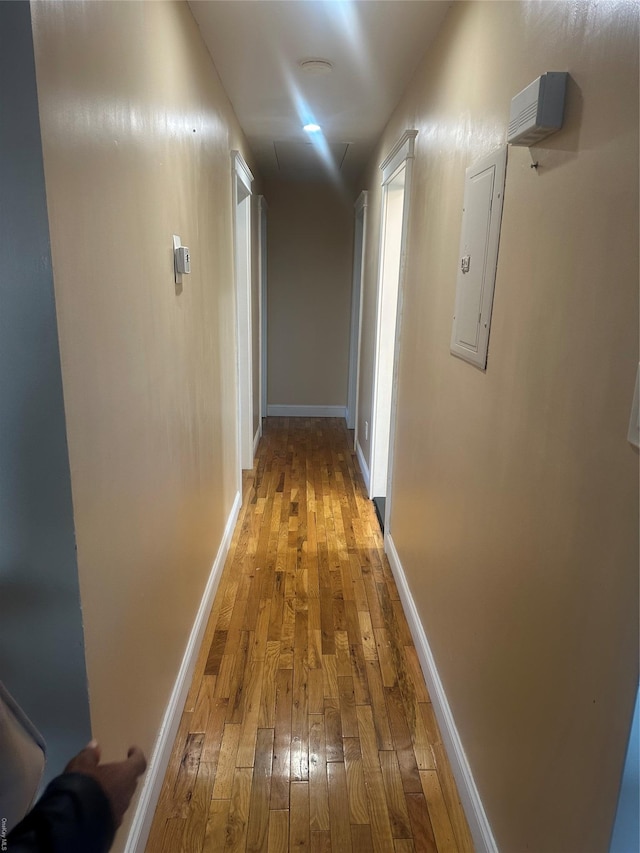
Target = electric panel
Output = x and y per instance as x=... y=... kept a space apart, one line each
x=478 y=258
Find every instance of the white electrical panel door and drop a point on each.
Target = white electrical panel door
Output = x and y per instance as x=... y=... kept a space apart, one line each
x=478 y=259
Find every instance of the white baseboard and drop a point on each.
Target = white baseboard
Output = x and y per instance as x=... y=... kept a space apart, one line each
x=363 y=466
x=306 y=411
x=257 y=437
x=141 y=825
x=470 y=798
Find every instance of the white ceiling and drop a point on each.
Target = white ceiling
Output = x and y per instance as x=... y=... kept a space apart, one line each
x=374 y=46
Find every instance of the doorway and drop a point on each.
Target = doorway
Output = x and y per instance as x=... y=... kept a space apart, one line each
x=262 y=260
x=242 y=180
x=356 y=313
x=396 y=176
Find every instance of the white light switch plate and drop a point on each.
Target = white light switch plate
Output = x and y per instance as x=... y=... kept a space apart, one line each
x=177 y=242
x=633 y=435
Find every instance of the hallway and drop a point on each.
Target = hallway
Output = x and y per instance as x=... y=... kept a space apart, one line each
x=308 y=725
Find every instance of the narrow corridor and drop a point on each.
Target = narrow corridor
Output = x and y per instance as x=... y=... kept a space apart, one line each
x=308 y=725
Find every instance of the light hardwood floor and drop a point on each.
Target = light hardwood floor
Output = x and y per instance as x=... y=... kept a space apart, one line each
x=308 y=725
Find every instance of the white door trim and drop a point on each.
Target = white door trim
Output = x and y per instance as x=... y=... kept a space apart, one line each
x=242 y=170
x=262 y=290
x=400 y=157
x=398 y=334
x=360 y=239
x=242 y=180
x=401 y=151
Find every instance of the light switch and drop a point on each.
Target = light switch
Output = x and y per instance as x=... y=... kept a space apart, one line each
x=183 y=260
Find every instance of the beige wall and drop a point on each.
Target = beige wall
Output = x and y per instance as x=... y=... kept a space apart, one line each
x=515 y=502
x=309 y=262
x=137 y=133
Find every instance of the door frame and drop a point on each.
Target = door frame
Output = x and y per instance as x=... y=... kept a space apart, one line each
x=242 y=181
x=262 y=305
x=359 y=247
x=400 y=156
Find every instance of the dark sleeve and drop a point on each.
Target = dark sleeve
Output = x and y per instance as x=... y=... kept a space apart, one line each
x=72 y=816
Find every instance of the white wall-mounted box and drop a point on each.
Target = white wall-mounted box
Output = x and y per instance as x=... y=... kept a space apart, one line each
x=538 y=110
x=478 y=259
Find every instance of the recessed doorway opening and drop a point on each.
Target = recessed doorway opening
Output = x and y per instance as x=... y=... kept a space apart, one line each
x=359 y=241
x=396 y=176
x=242 y=180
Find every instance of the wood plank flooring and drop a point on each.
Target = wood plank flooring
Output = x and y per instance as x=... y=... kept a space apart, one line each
x=308 y=726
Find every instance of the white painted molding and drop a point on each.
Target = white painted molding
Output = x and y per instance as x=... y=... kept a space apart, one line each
x=243 y=262
x=262 y=305
x=241 y=169
x=257 y=437
x=384 y=399
x=355 y=334
x=362 y=200
x=139 y=832
x=284 y=411
x=363 y=467
x=401 y=151
x=470 y=798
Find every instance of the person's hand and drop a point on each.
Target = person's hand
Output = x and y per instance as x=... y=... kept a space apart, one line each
x=118 y=779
